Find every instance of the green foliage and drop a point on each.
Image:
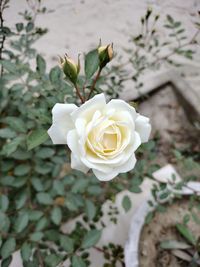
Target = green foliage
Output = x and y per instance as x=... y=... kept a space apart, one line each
x=37 y=192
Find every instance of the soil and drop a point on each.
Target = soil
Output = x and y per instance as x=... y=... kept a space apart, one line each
x=162 y=227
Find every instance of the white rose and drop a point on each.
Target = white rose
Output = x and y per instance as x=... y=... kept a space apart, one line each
x=102 y=137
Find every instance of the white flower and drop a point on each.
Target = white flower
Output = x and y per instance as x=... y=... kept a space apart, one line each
x=102 y=137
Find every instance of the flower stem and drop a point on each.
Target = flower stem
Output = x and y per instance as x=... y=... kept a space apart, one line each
x=94 y=83
x=79 y=94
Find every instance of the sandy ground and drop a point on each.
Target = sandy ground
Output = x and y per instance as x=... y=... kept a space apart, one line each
x=77 y=25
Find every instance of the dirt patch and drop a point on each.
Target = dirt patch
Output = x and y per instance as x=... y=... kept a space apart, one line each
x=162 y=227
x=170 y=123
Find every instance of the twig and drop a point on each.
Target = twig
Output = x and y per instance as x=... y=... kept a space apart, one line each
x=99 y=249
x=174 y=50
x=34 y=7
x=40 y=258
x=94 y=82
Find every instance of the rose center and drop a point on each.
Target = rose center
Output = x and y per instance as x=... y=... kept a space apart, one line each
x=109 y=141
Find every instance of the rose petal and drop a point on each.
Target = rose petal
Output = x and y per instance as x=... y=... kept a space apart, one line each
x=87 y=110
x=73 y=143
x=77 y=164
x=143 y=127
x=129 y=165
x=104 y=177
x=61 y=123
x=120 y=105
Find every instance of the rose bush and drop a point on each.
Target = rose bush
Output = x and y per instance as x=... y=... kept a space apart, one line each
x=102 y=137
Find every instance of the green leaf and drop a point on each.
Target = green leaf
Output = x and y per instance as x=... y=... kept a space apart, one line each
x=41 y=65
x=4 y=202
x=9 y=66
x=4 y=222
x=52 y=235
x=45 y=153
x=16 y=124
x=44 y=198
x=67 y=243
x=59 y=187
x=19 y=27
x=26 y=251
x=21 y=222
x=7 y=133
x=94 y=190
x=29 y=26
x=78 y=262
x=91 y=63
x=21 y=199
x=8 y=248
x=170 y=19
x=185 y=232
x=41 y=224
x=91 y=238
x=22 y=170
x=174 y=244
x=37 y=236
x=177 y=24
x=52 y=260
x=36 y=138
x=90 y=209
x=21 y=154
x=149 y=217
x=6 y=262
x=126 y=203
x=135 y=189
x=35 y=215
x=11 y=147
x=56 y=215
x=80 y=186
x=55 y=75
x=37 y=184
x=19 y=182
x=43 y=169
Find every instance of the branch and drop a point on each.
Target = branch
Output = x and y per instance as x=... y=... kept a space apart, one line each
x=180 y=46
x=2 y=6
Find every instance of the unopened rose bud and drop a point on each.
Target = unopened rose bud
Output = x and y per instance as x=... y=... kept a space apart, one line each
x=70 y=68
x=105 y=54
x=149 y=11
